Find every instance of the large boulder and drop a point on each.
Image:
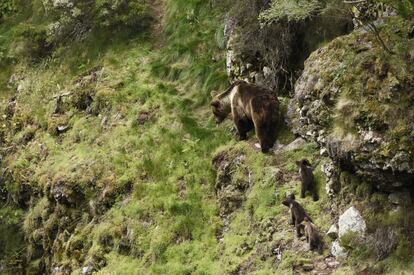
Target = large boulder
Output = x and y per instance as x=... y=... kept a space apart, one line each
x=351 y=221
x=355 y=100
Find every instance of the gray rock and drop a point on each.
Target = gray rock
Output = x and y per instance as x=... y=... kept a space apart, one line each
x=14 y=78
x=332 y=186
x=230 y=62
x=104 y=121
x=351 y=221
x=337 y=250
x=323 y=152
x=400 y=198
x=297 y=143
x=20 y=88
x=87 y=270
x=267 y=72
x=62 y=128
x=229 y=26
x=331 y=262
x=333 y=232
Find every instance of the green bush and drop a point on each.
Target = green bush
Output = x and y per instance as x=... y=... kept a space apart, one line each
x=31 y=42
x=122 y=13
x=6 y=8
x=290 y=10
x=405 y=8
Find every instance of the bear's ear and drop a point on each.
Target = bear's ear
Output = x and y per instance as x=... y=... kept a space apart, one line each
x=215 y=103
x=292 y=196
x=214 y=93
x=298 y=162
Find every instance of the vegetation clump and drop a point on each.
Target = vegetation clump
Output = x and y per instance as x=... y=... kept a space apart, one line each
x=290 y=11
x=107 y=141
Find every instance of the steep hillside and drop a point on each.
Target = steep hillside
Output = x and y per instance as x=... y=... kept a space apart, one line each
x=111 y=161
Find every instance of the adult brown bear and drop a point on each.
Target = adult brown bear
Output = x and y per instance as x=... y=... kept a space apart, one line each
x=250 y=106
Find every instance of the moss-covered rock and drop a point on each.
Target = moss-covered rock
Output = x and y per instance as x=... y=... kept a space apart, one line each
x=270 y=50
x=355 y=100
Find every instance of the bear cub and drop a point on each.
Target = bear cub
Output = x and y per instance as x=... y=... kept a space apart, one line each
x=297 y=213
x=307 y=179
x=251 y=107
x=312 y=236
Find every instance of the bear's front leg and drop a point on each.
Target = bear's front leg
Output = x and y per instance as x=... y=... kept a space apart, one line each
x=243 y=127
x=298 y=227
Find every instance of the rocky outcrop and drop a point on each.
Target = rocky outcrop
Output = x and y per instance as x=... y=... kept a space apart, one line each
x=353 y=99
x=272 y=53
x=332 y=186
x=232 y=181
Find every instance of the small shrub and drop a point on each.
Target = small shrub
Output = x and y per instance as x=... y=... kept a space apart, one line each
x=290 y=10
x=353 y=243
x=405 y=8
x=31 y=42
x=404 y=250
x=123 y=13
x=6 y=7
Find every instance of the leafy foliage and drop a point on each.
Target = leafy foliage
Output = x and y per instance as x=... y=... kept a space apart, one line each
x=31 y=42
x=405 y=8
x=6 y=7
x=115 y=13
x=290 y=10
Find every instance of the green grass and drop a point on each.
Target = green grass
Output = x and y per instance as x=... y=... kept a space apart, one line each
x=135 y=165
x=290 y=10
x=103 y=162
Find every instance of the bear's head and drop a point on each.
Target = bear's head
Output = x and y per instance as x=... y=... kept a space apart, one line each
x=266 y=143
x=303 y=162
x=288 y=200
x=220 y=110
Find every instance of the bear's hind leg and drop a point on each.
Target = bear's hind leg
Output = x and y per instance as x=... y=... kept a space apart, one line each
x=265 y=131
x=303 y=190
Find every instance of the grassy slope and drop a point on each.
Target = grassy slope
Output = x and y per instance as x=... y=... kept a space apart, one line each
x=168 y=222
x=159 y=157
x=155 y=175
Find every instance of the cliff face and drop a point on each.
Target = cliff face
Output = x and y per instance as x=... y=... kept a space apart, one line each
x=354 y=100
x=268 y=45
x=111 y=162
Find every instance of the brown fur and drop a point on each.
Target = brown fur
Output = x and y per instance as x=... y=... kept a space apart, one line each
x=250 y=106
x=312 y=236
x=307 y=179
x=297 y=213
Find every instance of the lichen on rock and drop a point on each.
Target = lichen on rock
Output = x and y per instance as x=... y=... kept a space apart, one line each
x=271 y=52
x=353 y=99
